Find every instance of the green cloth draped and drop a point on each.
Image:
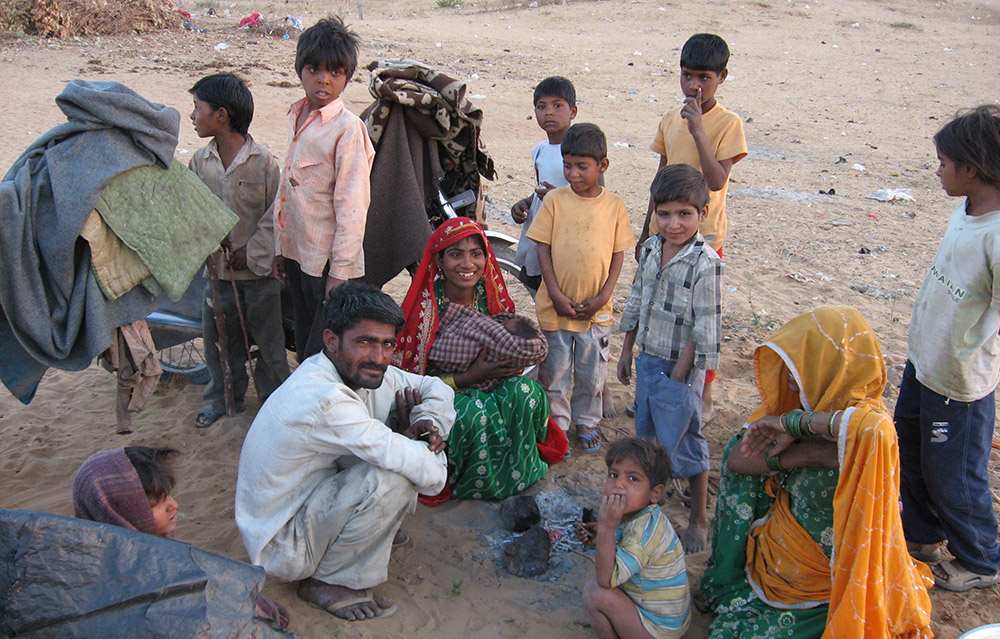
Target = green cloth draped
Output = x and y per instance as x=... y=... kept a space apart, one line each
x=740 y=614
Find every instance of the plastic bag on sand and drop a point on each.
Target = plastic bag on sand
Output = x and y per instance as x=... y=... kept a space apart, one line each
x=891 y=195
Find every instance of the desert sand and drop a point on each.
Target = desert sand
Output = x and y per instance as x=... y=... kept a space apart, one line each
x=842 y=95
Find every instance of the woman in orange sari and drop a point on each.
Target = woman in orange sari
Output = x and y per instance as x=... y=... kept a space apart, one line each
x=807 y=539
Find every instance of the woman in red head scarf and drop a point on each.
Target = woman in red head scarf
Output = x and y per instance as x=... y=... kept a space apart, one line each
x=493 y=443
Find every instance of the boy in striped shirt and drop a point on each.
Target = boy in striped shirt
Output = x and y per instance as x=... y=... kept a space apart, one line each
x=641 y=588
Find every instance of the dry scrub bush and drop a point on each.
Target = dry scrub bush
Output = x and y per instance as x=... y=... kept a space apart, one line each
x=69 y=18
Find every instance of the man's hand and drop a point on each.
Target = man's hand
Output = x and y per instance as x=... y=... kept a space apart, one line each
x=278 y=269
x=691 y=111
x=428 y=432
x=399 y=418
x=331 y=283
x=238 y=259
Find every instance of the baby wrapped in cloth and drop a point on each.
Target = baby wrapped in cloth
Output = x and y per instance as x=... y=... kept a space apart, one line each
x=463 y=333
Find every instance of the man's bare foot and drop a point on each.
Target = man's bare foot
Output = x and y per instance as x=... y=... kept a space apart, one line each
x=695 y=537
x=344 y=602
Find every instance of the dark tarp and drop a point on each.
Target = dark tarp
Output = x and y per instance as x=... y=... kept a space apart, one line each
x=65 y=577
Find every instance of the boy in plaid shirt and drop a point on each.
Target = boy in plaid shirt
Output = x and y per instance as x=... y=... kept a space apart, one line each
x=674 y=314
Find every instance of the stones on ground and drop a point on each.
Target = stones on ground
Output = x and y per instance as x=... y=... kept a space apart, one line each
x=519 y=513
x=528 y=555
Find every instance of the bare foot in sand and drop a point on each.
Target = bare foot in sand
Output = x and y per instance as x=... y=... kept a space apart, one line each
x=695 y=537
x=344 y=602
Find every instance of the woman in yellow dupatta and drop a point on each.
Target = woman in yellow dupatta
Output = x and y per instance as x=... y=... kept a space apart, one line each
x=807 y=538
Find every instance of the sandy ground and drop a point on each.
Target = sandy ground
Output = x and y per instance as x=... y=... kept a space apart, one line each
x=838 y=95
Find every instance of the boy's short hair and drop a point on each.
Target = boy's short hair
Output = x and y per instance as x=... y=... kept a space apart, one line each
x=650 y=456
x=328 y=43
x=680 y=183
x=973 y=139
x=352 y=302
x=705 y=52
x=586 y=140
x=227 y=91
x=555 y=86
x=155 y=469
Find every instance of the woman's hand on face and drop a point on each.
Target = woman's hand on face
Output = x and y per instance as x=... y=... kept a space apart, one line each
x=765 y=435
x=482 y=370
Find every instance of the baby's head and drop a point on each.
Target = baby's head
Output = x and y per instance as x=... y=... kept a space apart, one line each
x=128 y=487
x=520 y=327
x=638 y=469
x=156 y=473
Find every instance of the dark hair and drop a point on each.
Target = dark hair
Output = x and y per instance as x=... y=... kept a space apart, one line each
x=229 y=92
x=650 y=456
x=155 y=469
x=521 y=327
x=352 y=302
x=556 y=87
x=586 y=140
x=973 y=139
x=328 y=43
x=705 y=52
x=680 y=183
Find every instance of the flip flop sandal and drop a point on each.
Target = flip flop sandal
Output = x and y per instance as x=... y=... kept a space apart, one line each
x=366 y=596
x=951 y=576
x=588 y=442
x=401 y=539
x=927 y=553
x=207 y=417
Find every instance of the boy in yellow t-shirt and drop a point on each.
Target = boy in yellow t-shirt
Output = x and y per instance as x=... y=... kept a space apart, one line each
x=582 y=231
x=708 y=137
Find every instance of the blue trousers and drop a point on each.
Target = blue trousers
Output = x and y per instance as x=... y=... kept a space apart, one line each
x=671 y=412
x=944 y=452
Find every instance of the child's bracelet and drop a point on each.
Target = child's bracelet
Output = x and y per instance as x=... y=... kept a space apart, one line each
x=774 y=463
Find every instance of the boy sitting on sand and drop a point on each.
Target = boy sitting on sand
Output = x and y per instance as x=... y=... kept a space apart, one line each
x=641 y=587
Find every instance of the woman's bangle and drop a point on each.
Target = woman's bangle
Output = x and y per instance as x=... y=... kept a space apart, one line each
x=829 y=424
x=807 y=431
x=774 y=463
x=449 y=380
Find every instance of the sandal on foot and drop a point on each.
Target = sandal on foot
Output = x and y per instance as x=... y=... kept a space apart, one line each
x=402 y=538
x=366 y=596
x=950 y=575
x=927 y=553
x=588 y=441
x=207 y=417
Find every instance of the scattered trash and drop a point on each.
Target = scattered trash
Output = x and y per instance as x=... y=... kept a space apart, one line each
x=221 y=46
x=186 y=14
x=891 y=195
x=865 y=250
x=624 y=144
x=876 y=292
x=633 y=92
x=873 y=216
x=191 y=27
x=858 y=167
x=909 y=215
x=477 y=96
x=841 y=160
x=637 y=53
x=253 y=18
x=830 y=192
x=297 y=22
x=799 y=277
x=841 y=223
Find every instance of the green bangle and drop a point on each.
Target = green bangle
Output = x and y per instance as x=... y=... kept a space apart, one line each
x=774 y=463
x=790 y=421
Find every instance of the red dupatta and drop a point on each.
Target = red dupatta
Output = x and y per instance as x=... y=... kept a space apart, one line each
x=420 y=306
